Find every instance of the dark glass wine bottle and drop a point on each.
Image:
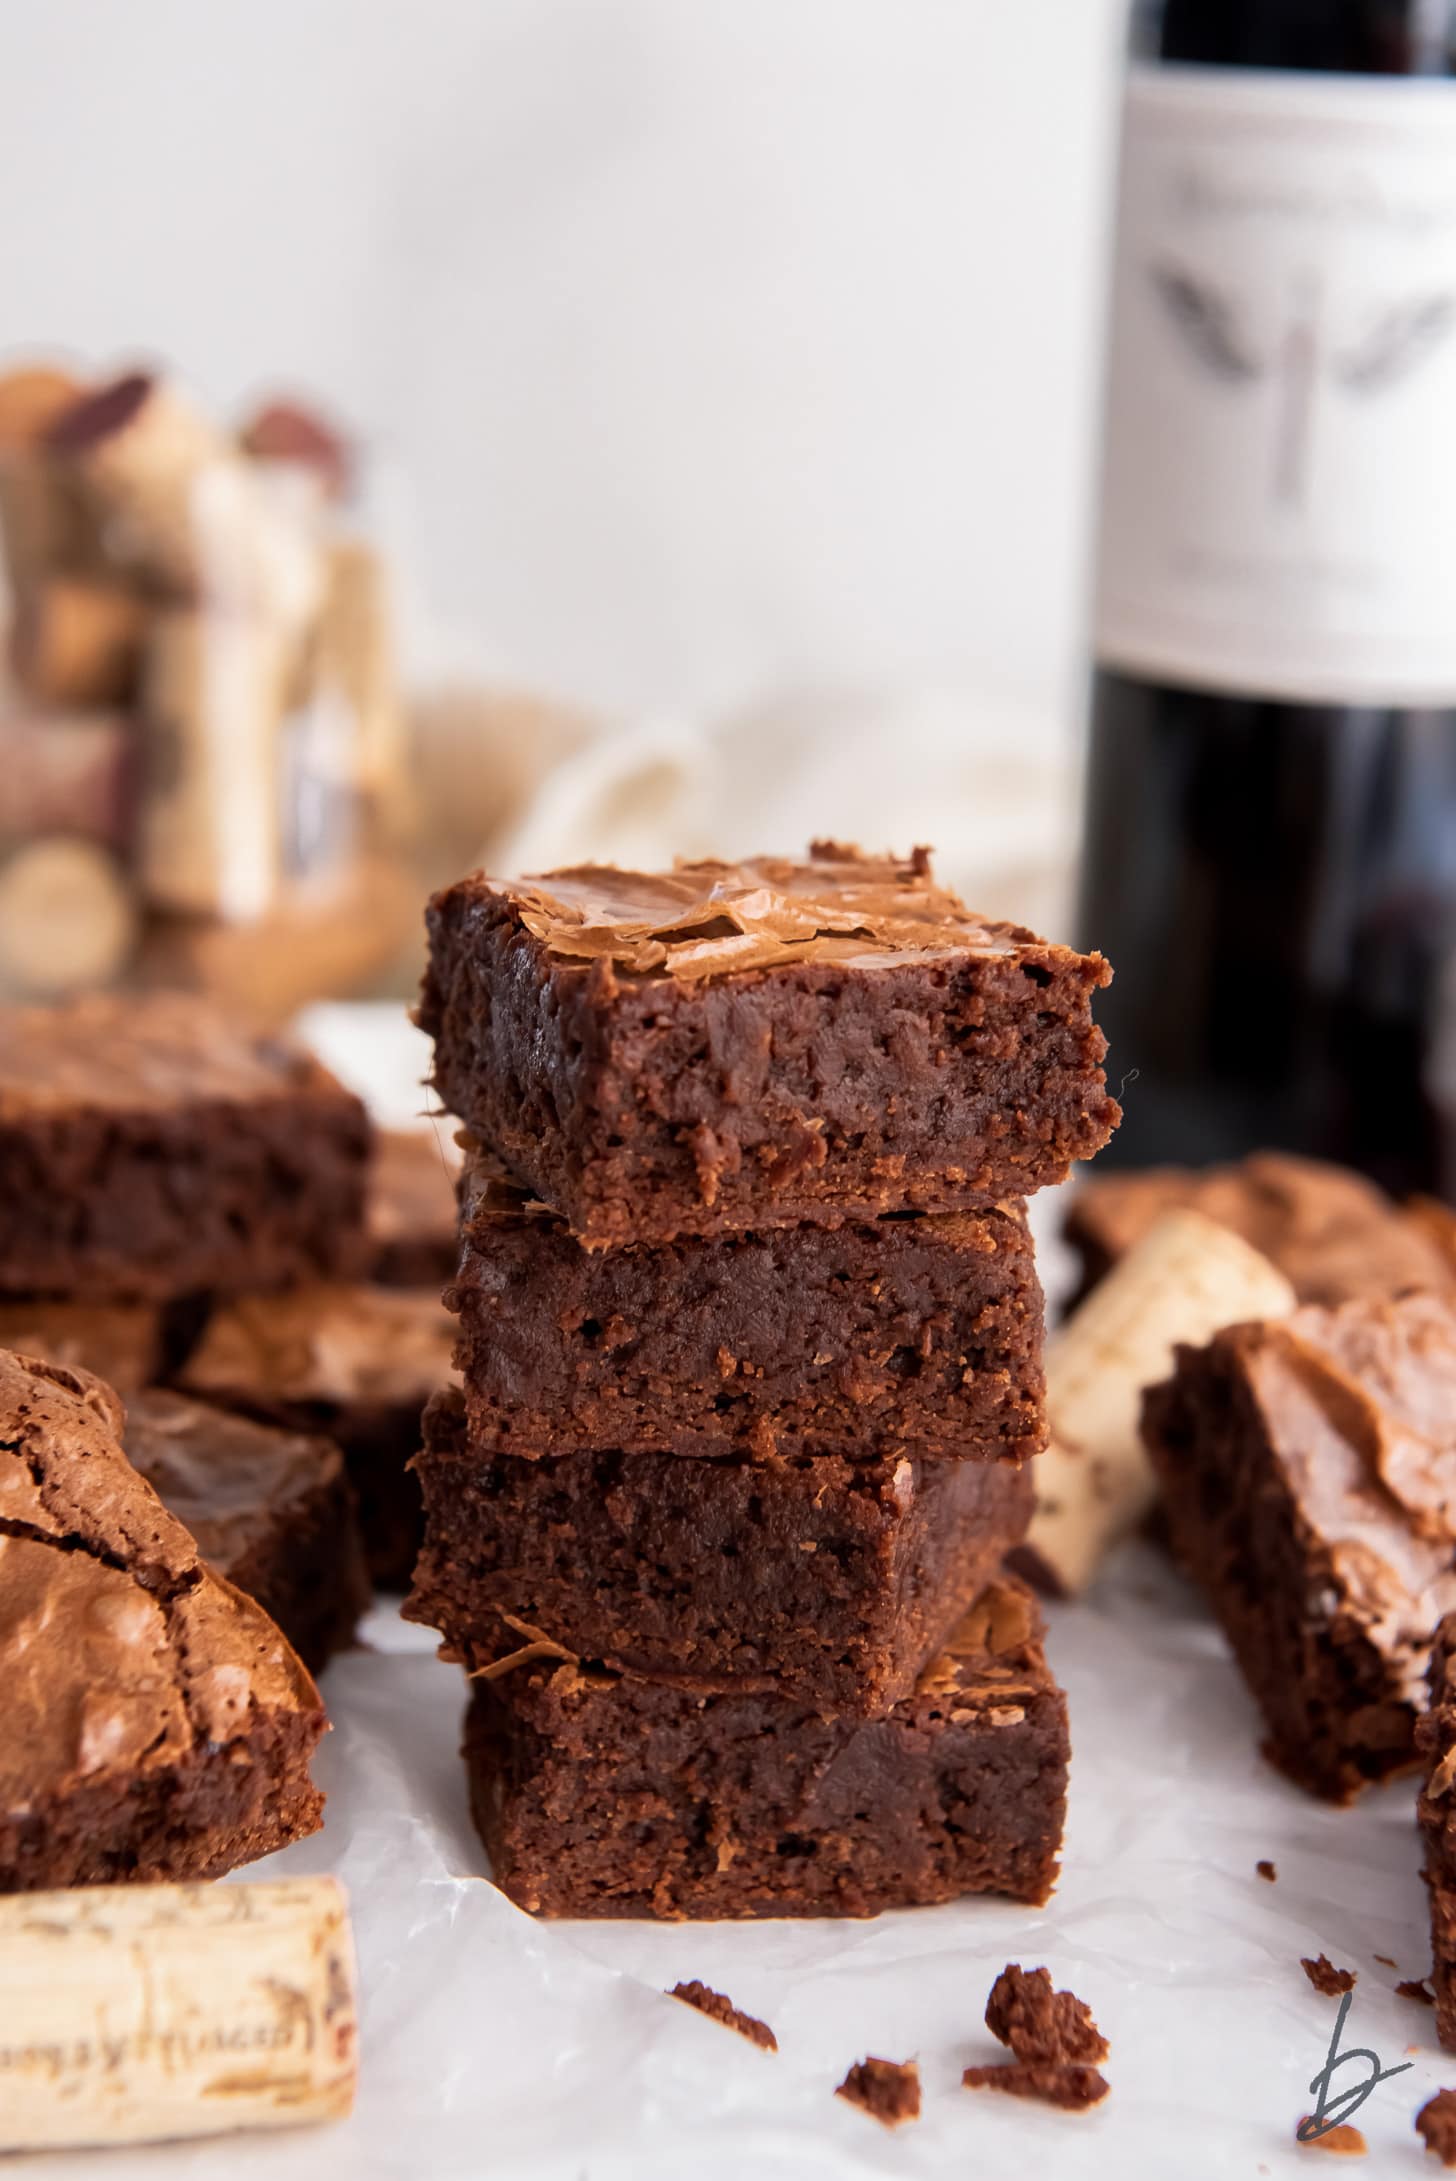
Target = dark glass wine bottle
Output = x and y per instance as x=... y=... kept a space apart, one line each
x=1270 y=839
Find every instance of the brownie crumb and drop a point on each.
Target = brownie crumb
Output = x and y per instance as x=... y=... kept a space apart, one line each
x=1266 y=1869
x=1386 y=1961
x=1436 y=2121
x=1325 y=1977
x=709 y=2002
x=1342 y=2139
x=1415 y=1988
x=1040 y=2024
x=889 y=2090
x=1071 y=2086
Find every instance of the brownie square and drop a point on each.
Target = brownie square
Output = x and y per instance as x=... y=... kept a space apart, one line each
x=916 y=1333
x=151 y=1146
x=604 y=1796
x=123 y=1343
x=722 y=1047
x=1436 y=1743
x=1333 y=1234
x=412 y=1212
x=830 y=1581
x=271 y=1510
x=1309 y=1476
x=354 y=1362
x=157 y=1725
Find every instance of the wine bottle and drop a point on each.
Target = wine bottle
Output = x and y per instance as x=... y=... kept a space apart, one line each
x=1269 y=856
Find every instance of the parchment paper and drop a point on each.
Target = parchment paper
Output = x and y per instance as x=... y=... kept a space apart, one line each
x=497 y=2046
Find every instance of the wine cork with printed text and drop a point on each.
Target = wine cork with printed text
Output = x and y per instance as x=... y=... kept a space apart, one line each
x=139 y=2014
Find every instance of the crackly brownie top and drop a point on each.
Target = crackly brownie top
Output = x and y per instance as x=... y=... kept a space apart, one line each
x=119 y=1650
x=706 y=919
x=226 y=1478
x=990 y=1665
x=993 y=1655
x=1358 y=1404
x=1332 y=1233
x=144 y=1052
x=335 y=1343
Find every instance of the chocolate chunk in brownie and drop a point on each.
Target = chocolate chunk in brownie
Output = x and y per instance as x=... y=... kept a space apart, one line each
x=1436 y=1743
x=1067 y=2084
x=271 y=1510
x=1334 y=1235
x=151 y=1146
x=1309 y=1480
x=829 y=1581
x=605 y=1796
x=1325 y=1977
x=709 y=2002
x=1039 y=2023
x=722 y=1047
x=411 y=1209
x=888 y=2090
x=356 y=1363
x=1436 y=2125
x=912 y=1334
x=157 y=1725
x=120 y=1342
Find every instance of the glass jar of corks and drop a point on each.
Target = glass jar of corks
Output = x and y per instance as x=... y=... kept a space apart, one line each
x=203 y=775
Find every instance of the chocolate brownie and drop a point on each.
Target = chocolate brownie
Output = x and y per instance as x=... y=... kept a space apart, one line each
x=271 y=1510
x=157 y=1725
x=151 y=1146
x=1309 y=1477
x=605 y=1796
x=356 y=1363
x=829 y=1581
x=722 y=1046
x=1333 y=1234
x=1436 y=1741
x=411 y=1209
x=121 y=1342
x=914 y=1333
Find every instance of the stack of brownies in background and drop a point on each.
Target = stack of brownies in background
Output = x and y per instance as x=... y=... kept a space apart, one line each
x=750 y=1343
x=199 y=1214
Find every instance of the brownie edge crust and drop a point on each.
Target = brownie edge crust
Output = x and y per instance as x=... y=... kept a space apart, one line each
x=600 y=1796
x=726 y=1047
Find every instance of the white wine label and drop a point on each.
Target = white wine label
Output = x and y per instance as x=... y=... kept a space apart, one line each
x=1279 y=487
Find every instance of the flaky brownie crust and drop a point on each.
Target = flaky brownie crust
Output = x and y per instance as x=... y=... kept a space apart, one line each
x=157 y=1725
x=829 y=1581
x=723 y=1048
x=599 y=1796
x=1303 y=1496
x=921 y=1335
x=150 y=1148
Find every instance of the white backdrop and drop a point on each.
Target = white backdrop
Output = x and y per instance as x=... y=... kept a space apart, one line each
x=722 y=345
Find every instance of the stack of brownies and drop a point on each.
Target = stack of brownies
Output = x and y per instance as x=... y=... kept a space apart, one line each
x=187 y=1202
x=750 y=1348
